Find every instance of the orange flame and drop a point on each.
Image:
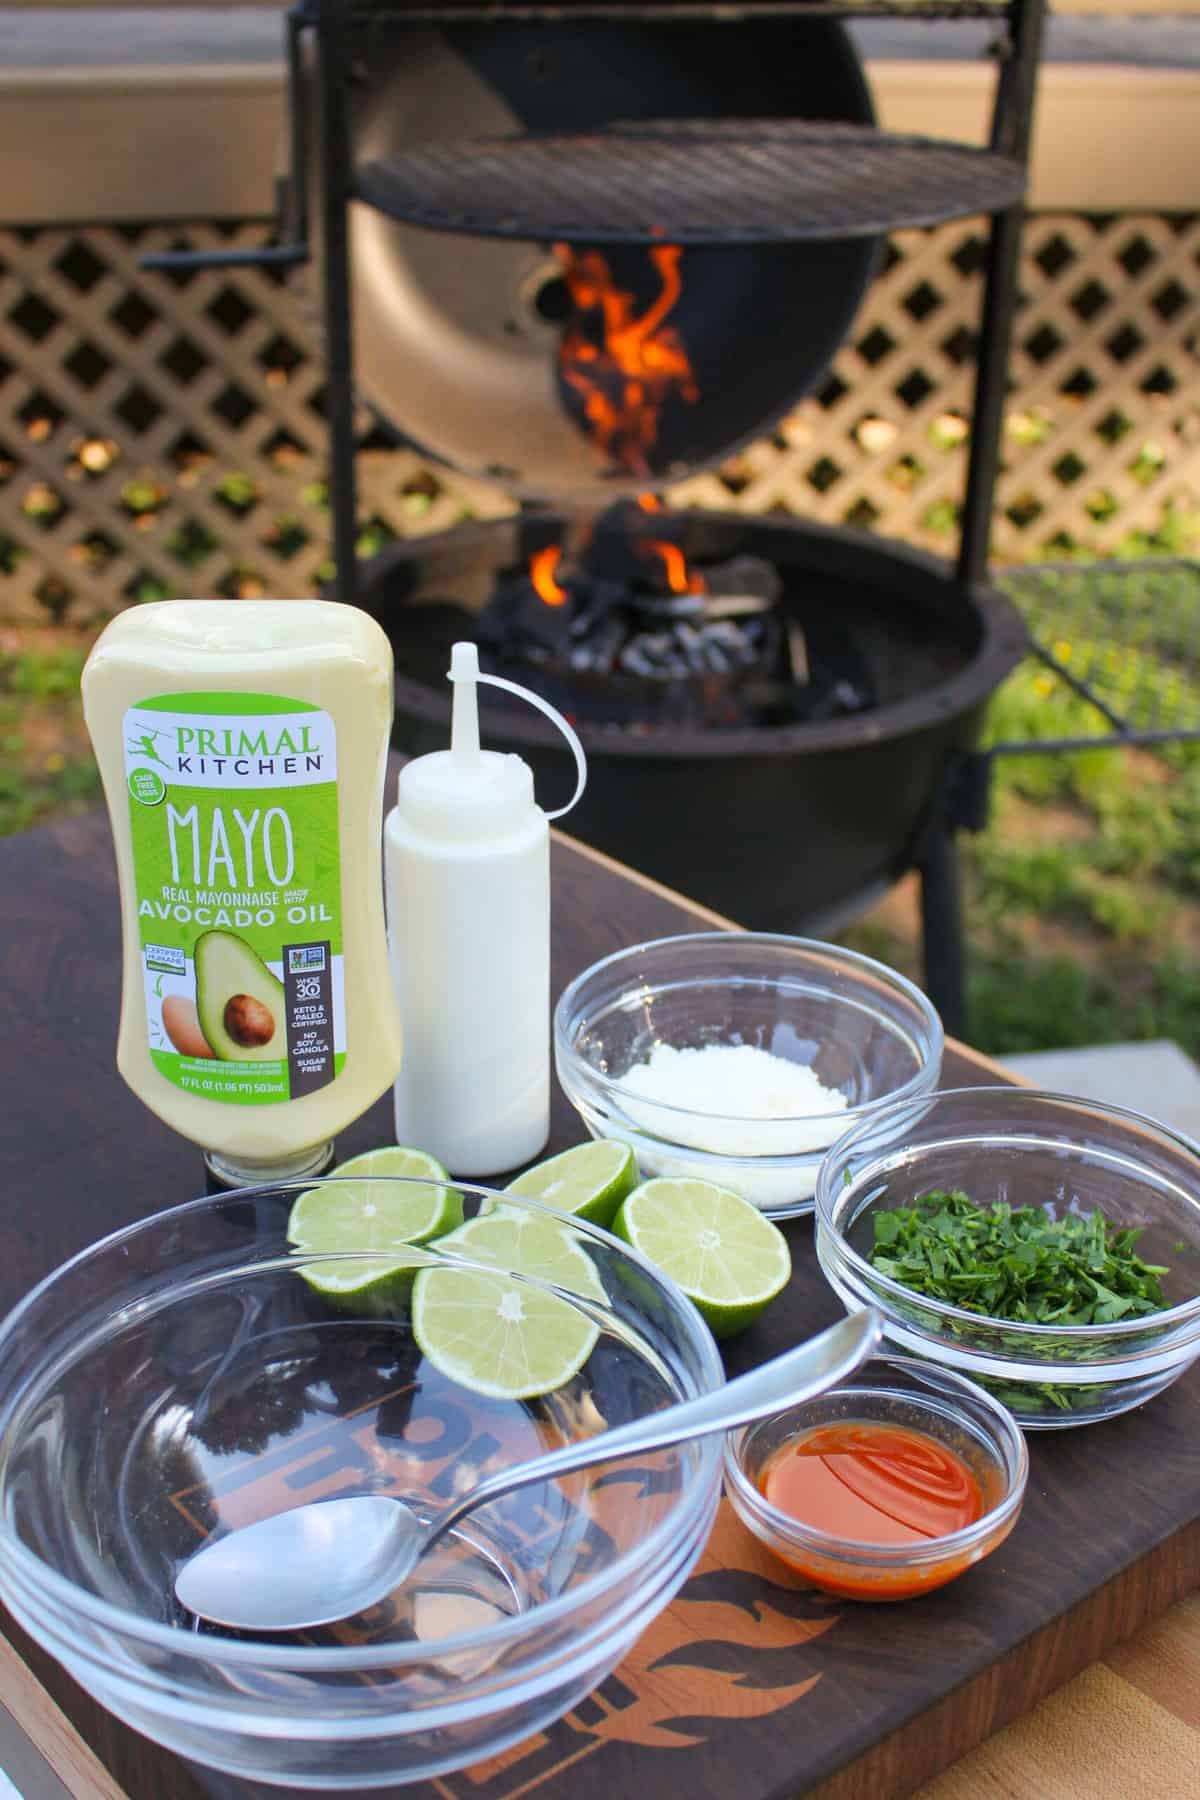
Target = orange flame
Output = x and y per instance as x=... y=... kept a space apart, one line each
x=680 y=579
x=541 y=572
x=625 y=380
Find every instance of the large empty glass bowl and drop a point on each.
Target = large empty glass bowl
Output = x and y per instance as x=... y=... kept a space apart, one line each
x=183 y=1376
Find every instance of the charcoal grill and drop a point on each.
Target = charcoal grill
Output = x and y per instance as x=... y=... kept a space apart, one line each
x=626 y=124
x=859 y=797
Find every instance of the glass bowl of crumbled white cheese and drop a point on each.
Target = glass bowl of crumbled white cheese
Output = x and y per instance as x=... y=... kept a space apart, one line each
x=740 y=1057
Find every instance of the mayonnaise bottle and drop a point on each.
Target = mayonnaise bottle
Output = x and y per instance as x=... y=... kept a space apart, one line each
x=242 y=746
x=467 y=876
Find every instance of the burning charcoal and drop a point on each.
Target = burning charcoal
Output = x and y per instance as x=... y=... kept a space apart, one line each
x=691 y=643
x=849 y=697
x=654 y=654
x=734 y=606
x=672 y=606
x=540 y=623
x=736 y=648
x=751 y=575
x=622 y=632
x=716 y=654
x=599 y=646
x=585 y=622
x=605 y=596
x=633 y=544
x=610 y=557
x=634 y=661
x=797 y=652
x=494 y=626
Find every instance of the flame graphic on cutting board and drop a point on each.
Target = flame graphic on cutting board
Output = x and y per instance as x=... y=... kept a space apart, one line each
x=739 y=1607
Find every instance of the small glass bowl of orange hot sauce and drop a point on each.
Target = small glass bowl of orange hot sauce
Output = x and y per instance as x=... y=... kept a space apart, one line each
x=885 y=1487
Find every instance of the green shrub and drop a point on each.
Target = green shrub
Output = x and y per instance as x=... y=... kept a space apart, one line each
x=1043 y=879
x=1130 y=913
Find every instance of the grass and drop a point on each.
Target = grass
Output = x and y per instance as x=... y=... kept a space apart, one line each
x=1082 y=895
x=46 y=766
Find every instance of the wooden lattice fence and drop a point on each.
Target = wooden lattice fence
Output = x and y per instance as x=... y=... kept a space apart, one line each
x=164 y=435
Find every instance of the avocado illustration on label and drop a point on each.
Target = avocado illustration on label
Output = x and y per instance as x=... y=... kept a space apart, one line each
x=240 y=1002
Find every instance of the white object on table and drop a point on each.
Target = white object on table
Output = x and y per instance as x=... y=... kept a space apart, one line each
x=467 y=873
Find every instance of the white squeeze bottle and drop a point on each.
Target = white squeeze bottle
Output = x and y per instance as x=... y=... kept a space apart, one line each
x=467 y=877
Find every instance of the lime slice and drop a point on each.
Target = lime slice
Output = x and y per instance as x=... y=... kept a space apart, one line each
x=497 y=1335
x=531 y=1243
x=728 y=1259
x=371 y=1213
x=375 y=1287
x=590 y=1180
x=493 y=1333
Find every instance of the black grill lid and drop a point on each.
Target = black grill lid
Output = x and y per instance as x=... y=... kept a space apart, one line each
x=690 y=182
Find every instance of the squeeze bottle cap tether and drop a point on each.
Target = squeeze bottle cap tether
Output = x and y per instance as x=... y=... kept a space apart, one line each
x=464 y=721
x=467 y=794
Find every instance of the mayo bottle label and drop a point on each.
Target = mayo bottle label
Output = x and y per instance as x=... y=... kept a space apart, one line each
x=233 y=804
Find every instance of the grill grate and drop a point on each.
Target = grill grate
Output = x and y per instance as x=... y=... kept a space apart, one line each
x=707 y=181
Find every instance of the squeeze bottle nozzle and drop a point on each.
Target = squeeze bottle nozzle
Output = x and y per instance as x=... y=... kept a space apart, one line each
x=464 y=717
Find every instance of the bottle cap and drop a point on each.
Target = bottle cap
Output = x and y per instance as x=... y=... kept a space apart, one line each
x=466 y=792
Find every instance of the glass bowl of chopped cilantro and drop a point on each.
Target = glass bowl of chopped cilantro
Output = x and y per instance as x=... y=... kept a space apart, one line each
x=740 y=1057
x=1048 y=1247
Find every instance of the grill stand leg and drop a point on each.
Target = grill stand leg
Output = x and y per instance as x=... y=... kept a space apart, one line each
x=943 y=946
x=943 y=940
x=334 y=199
x=962 y=802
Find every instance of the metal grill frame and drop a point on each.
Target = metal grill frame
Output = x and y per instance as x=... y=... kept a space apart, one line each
x=331 y=23
x=435 y=12
x=1062 y=602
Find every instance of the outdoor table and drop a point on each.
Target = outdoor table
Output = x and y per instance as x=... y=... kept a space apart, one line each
x=749 y=1684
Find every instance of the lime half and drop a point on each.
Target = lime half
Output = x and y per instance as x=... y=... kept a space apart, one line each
x=494 y=1333
x=728 y=1259
x=530 y=1243
x=371 y=1212
x=590 y=1180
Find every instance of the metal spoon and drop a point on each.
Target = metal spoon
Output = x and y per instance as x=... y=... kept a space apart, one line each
x=334 y=1558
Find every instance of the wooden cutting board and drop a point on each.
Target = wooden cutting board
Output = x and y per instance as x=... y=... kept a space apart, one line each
x=748 y=1685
